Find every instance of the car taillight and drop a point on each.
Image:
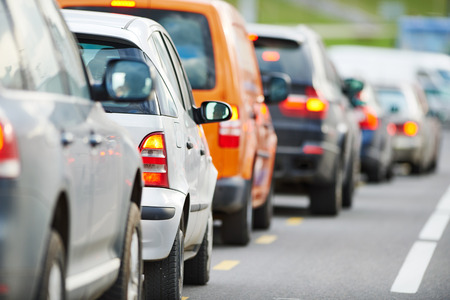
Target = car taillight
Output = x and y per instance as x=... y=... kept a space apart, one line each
x=410 y=128
x=9 y=154
x=369 y=120
x=309 y=105
x=153 y=152
x=230 y=131
x=391 y=129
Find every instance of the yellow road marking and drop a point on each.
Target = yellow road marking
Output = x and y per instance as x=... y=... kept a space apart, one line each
x=184 y=298
x=226 y=265
x=294 y=221
x=266 y=239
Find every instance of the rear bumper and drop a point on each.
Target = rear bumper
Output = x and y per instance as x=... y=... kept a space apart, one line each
x=160 y=217
x=407 y=149
x=292 y=165
x=230 y=194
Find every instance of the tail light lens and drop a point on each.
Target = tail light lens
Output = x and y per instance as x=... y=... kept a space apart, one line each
x=410 y=128
x=309 y=105
x=230 y=131
x=370 y=119
x=9 y=154
x=153 y=152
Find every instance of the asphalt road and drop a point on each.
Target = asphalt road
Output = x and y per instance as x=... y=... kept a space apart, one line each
x=394 y=243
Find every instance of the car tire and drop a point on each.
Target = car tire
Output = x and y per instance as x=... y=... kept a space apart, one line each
x=164 y=278
x=327 y=200
x=236 y=227
x=348 y=187
x=197 y=269
x=262 y=216
x=53 y=277
x=129 y=283
x=377 y=174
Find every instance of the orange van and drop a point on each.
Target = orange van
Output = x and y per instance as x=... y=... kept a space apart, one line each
x=220 y=62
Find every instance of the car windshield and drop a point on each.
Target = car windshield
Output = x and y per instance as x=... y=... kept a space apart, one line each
x=191 y=36
x=397 y=101
x=279 y=55
x=96 y=53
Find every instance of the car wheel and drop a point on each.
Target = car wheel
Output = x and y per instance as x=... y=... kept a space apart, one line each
x=262 y=216
x=196 y=270
x=237 y=227
x=53 y=277
x=327 y=200
x=376 y=174
x=348 y=188
x=164 y=278
x=129 y=284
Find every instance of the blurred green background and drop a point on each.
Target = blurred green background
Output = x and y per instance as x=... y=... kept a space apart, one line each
x=364 y=22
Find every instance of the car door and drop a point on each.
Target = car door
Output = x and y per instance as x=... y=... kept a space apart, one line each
x=66 y=127
x=194 y=147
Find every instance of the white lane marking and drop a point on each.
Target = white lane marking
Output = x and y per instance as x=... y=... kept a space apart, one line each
x=410 y=276
x=435 y=226
x=416 y=263
x=444 y=203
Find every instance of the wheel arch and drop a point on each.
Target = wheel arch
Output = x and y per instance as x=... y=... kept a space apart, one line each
x=61 y=220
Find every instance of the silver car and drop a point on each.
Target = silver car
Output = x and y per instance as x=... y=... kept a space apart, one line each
x=178 y=170
x=70 y=177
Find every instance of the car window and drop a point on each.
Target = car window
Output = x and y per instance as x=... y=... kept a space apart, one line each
x=246 y=55
x=191 y=36
x=97 y=52
x=36 y=46
x=281 y=55
x=397 y=101
x=184 y=84
x=167 y=64
x=10 y=68
x=64 y=42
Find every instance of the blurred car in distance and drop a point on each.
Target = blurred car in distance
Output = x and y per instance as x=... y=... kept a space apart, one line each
x=417 y=136
x=377 y=159
x=219 y=60
x=377 y=64
x=179 y=175
x=70 y=178
x=318 y=134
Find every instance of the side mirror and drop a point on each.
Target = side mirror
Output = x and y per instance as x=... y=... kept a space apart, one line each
x=352 y=87
x=124 y=81
x=212 y=111
x=276 y=87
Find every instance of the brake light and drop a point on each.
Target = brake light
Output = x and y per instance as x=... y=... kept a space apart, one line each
x=230 y=131
x=309 y=105
x=253 y=37
x=9 y=154
x=370 y=119
x=123 y=3
x=270 y=56
x=153 y=152
x=391 y=129
x=410 y=128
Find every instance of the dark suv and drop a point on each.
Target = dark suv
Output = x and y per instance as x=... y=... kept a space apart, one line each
x=318 y=135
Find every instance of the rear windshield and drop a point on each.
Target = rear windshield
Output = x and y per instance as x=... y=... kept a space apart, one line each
x=397 y=101
x=191 y=36
x=96 y=54
x=279 y=55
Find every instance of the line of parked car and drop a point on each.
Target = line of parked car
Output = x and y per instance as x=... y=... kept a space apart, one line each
x=128 y=127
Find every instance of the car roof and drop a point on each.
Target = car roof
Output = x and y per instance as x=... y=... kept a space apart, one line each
x=276 y=31
x=132 y=28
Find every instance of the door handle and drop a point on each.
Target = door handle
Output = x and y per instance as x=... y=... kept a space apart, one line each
x=189 y=145
x=202 y=152
x=67 y=138
x=95 y=139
